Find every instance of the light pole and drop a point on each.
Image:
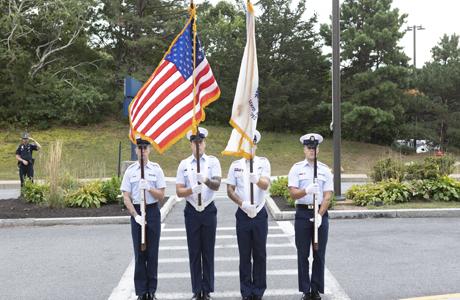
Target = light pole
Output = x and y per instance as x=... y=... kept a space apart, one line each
x=336 y=111
x=414 y=28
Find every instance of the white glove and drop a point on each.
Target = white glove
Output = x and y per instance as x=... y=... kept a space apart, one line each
x=197 y=189
x=201 y=178
x=312 y=188
x=139 y=220
x=249 y=209
x=253 y=178
x=319 y=220
x=143 y=184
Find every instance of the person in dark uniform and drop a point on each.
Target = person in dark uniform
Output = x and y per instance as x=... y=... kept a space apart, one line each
x=24 y=157
x=302 y=188
x=146 y=262
x=251 y=221
x=200 y=220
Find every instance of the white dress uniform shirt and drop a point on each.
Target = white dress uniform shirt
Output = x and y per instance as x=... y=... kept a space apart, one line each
x=152 y=173
x=238 y=175
x=186 y=175
x=301 y=175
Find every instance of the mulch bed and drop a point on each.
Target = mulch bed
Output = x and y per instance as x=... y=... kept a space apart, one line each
x=282 y=203
x=18 y=209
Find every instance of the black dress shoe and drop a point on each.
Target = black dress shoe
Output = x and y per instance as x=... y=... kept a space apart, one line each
x=255 y=297
x=206 y=296
x=151 y=296
x=196 y=296
x=143 y=297
x=246 y=298
x=305 y=296
x=314 y=295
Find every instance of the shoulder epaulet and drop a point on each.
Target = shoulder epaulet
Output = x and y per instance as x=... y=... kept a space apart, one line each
x=131 y=166
x=213 y=157
x=154 y=164
x=322 y=165
x=263 y=158
x=235 y=162
x=299 y=163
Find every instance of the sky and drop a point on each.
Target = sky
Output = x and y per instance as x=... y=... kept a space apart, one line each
x=438 y=17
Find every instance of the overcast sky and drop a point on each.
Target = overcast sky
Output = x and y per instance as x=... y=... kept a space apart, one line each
x=436 y=16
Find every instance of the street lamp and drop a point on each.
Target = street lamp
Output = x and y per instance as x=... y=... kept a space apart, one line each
x=414 y=28
x=336 y=111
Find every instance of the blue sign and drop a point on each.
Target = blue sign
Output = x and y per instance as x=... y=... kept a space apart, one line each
x=131 y=87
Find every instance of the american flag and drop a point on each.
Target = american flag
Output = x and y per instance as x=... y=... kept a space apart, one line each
x=163 y=111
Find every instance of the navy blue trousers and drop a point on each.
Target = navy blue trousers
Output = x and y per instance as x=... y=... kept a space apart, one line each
x=146 y=262
x=26 y=171
x=252 y=243
x=303 y=240
x=201 y=239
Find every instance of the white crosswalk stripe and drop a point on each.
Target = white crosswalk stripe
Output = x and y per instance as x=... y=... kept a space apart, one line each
x=218 y=237
x=235 y=258
x=174 y=275
x=228 y=274
x=229 y=246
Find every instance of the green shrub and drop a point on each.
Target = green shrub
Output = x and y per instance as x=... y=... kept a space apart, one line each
x=385 y=192
x=89 y=195
x=441 y=189
x=425 y=170
x=279 y=187
x=386 y=169
x=445 y=163
x=111 y=189
x=431 y=168
x=34 y=192
x=68 y=182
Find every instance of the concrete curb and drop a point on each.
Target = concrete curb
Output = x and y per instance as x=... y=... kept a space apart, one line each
x=364 y=214
x=82 y=220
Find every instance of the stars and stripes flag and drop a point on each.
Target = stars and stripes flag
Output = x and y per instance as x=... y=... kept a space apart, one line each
x=245 y=109
x=172 y=101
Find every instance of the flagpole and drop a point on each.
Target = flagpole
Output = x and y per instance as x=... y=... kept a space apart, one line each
x=251 y=170
x=194 y=125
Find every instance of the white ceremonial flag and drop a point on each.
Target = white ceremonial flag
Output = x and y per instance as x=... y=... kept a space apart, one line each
x=246 y=102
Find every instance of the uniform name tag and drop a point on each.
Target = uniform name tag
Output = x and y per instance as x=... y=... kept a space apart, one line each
x=303 y=177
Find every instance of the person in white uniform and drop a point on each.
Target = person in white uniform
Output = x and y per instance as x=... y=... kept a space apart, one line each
x=302 y=188
x=251 y=221
x=200 y=220
x=146 y=262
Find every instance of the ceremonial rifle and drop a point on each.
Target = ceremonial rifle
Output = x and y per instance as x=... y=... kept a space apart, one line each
x=315 y=201
x=143 y=204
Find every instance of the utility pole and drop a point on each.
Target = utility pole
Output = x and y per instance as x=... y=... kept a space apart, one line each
x=336 y=109
x=414 y=28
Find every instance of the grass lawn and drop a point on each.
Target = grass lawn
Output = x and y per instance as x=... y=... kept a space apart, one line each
x=92 y=151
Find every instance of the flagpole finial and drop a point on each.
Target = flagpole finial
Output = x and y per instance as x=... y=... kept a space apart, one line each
x=250 y=7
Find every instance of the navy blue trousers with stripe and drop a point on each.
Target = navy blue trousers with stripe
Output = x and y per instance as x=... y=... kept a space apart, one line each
x=146 y=262
x=252 y=245
x=303 y=240
x=201 y=239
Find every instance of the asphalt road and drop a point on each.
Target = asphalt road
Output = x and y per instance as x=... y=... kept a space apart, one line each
x=370 y=258
x=395 y=258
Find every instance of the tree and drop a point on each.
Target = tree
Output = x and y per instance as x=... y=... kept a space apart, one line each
x=294 y=74
x=374 y=70
x=222 y=29
x=440 y=81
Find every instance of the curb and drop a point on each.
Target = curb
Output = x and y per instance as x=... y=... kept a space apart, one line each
x=82 y=220
x=279 y=215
